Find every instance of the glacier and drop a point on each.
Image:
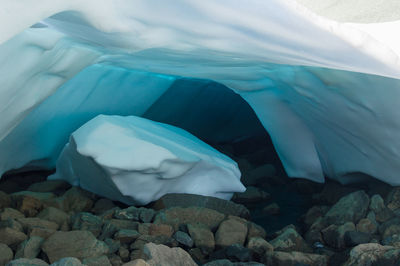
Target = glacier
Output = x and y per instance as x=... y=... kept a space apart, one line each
x=327 y=90
x=136 y=161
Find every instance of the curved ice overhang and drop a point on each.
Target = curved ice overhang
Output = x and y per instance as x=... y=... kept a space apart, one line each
x=327 y=92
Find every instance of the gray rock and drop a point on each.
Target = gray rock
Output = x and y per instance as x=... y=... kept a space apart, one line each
x=33 y=222
x=97 y=261
x=239 y=253
x=350 y=208
x=333 y=235
x=27 y=262
x=393 y=199
x=191 y=200
x=314 y=213
x=231 y=231
x=131 y=213
x=11 y=223
x=202 y=237
x=354 y=238
x=278 y=258
x=78 y=244
x=11 y=237
x=87 y=222
x=290 y=240
x=67 y=262
x=137 y=262
x=382 y=213
x=54 y=215
x=126 y=236
x=373 y=254
x=163 y=255
x=10 y=213
x=77 y=200
x=183 y=239
x=146 y=215
x=259 y=245
x=6 y=254
x=30 y=248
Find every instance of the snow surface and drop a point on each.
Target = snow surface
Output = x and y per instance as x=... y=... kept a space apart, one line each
x=327 y=92
x=136 y=161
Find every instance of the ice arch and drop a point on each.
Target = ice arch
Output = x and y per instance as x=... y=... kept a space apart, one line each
x=327 y=92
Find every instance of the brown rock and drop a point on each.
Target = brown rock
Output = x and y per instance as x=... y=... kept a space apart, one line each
x=366 y=226
x=32 y=222
x=28 y=205
x=161 y=229
x=231 y=232
x=278 y=258
x=77 y=200
x=126 y=236
x=41 y=232
x=202 y=237
x=78 y=244
x=259 y=245
x=54 y=215
x=254 y=230
x=9 y=213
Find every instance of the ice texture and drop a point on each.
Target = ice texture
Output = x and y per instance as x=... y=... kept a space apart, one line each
x=327 y=92
x=136 y=161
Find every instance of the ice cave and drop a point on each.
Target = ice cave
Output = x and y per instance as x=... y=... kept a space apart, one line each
x=217 y=132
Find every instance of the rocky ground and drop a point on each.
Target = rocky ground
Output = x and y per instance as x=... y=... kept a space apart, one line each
x=277 y=221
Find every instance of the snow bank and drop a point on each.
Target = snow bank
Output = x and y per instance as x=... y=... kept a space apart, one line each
x=136 y=161
x=327 y=92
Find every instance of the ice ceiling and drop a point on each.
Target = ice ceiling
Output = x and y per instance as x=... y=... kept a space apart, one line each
x=327 y=92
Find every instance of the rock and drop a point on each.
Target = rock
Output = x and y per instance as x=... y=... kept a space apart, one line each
x=144 y=239
x=290 y=240
x=97 y=261
x=254 y=230
x=272 y=209
x=177 y=216
x=103 y=205
x=5 y=200
x=6 y=254
x=9 y=213
x=314 y=233
x=146 y=215
x=41 y=232
x=67 y=262
x=183 y=239
x=225 y=262
x=373 y=254
x=191 y=200
x=332 y=192
x=131 y=213
x=123 y=253
x=27 y=262
x=11 y=237
x=382 y=213
x=30 y=248
x=138 y=262
x=77 y=200
x=278 y=258
x=54 y=215
x=50 y=186
x=389 y=227
x=115 y=260
x=126 y=236
x=354 y=238
x=237 y=252
x=231 y=232
x=78 y=244
x=124 y=224
x=258 y=175
x=393 y=240
x=393 y=199
x=28 y=205
x=113 y=245
x=32 y=222
x=259 y=245
x=87 y=222
x=251 y=195
x=333 y=235
x=314 y=213
x=164 y=256
x=366 y=226
x=202 y=237
x=11 y=223
x=161 y=230
x=350 y=208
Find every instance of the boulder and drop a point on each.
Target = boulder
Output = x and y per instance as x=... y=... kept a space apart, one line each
x=32 y=222
x=137 y=262
x=333 y=235
x=27 y=262
x=30 y=248
x=366 y=226
x=77 y=200
x=87 y=222
x=279 y=258
x=354 y=238
x=78 y=244
x=54 y=215
x=126 y=236
x=11 y=237
x=67 y=262
x=350 y=208
x=97 y=261
x=377 y=205
x=183 y=239
x=373 y=254
x=259 y=245
x=10 y=213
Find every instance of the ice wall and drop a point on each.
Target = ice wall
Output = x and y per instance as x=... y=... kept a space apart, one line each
x=327 y=92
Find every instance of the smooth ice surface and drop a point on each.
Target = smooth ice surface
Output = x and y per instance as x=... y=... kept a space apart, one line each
x=327 y=92
x=136 y=161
